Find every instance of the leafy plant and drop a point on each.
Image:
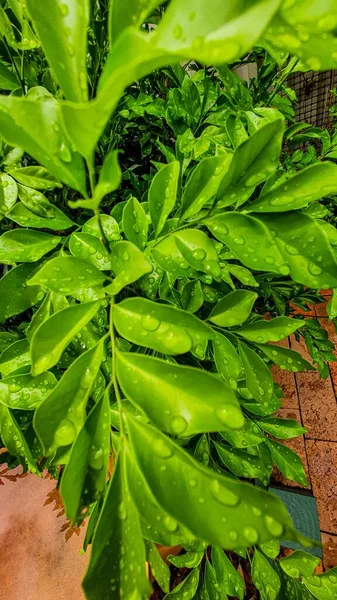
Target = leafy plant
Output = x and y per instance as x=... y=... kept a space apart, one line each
x=134 y=296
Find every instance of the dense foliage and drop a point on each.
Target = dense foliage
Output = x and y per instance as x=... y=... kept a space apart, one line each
x=159 y=222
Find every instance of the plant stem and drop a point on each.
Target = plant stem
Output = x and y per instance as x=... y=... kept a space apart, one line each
x=15 y=67
x=114 y=376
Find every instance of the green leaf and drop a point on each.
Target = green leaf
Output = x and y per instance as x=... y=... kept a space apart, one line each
x=58 y=420
x=191 y=560
x=211 y=501
x=284 y=429
x=36 y=202
x=187 y=588
x=23 y=245
x=21 y=215
x=6 y=339
x=135 y=15
x=211 y=584
x=243 y=464
x=109 y=226
x=243 y=275
x=14 y=357
x=203 y=184
x=324 y=586
x=118 y=553
x=85 y=475
x=288 y=462
x=135 y=223
x=173 y=396
x=227 y=360
x=271 y=549
x=67 y=274
x=299 y=564
x=263 y=409
x=253 y=162
x=249 y=239
x=24 y=392
x=249 y=435
x=227 y=576
x=169 y=258
x=128 y=264
x=163 y=194
x=330 y=230
x=8 y=79
x=14 y=440
x=159 y=568
x=90 y=248
x=274 y=330
x=233 y=309
x=61 y=328
x=199 y=251
x=331 y=308
x=287 y=359
x=192 y=296
x=161 y=327
x=15 y=296
x=109 y=178
x=264 y=577
x=35 y=177
x=259 y=379
x=313 y=183
x=9 y=193
x=62 y=28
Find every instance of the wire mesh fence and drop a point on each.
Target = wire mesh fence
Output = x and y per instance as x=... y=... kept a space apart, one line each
x=314 y=97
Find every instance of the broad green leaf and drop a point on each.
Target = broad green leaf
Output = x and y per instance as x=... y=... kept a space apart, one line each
x=24 y=245
x=264 y=577
x=6 y=339
x=202 y=500
x=24 y=392
x=187 y=588
x=263 y=408
x=284 y=429
x=192 y=296
x=169 y=258
x=61 y=328
x=233 y=309
x=135 y=223
x=67 y=274
x=21 y=215
x=227 y=576
x=254 y=161
x=292 y=588
x=203 y=183
x=270 y=331
x=330 y=230
x=14 y=357
x=35 y=126
x=287 y=359
x=62 y=28
x=8 y=79
x=58 y=420
x=14 y=440
x=299 y=564
x=39 y=317
x=109 y=226
x=161 y=327
x=159 y=568
x=35 y=177
x=271 y=549
x=117 y=562
x=211 y=584
x=9 y=193
x=135 y=14
x=163 y=194
x=323 y=586
x=90 y=248
x=128 y=264
x=85 y=475
x=180 y=400
x=15 y=296
x=190 y=559
x=243 y=464
x=288 y=462
x=227 y=360
x=304 y=187
x=198 y=250
x=243 y=275
x=259 y=380
x=308 y=256
x=36 y=202
x=249 y=239
x=249 y=435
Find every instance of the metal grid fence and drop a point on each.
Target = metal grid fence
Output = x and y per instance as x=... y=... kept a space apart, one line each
x=314 y=97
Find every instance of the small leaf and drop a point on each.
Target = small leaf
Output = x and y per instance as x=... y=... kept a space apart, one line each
x=35 y=177
x=128 y=264
x=331 y=308
x=233 y=309
x=24 y=245
x=36 y=202
x=109 y=226
x=271 y=549
x=169 y=258
x=228 y=578
x=283 y=429
x=227 y=360
x=39 y=317
x=299 y=564
x=249 y=435
x=288 y=462
x=162 y=194
x=14 y=440
x=21 y=215
x=159 y=568
x=190 y=560
x=14 y=357
x=67 y=274
x=192 y=296
x=243 y=464
x=9 y=193
x=274 y=330
x=24 y=392
x=90 y=248
x=259 y=380
x=203 y=183
x=187 y=588
x=323 y=586
x=109 y=178
x=287 y=359
x=15 y=296
x=264 y=577
x=135 y=223
x=199 y=251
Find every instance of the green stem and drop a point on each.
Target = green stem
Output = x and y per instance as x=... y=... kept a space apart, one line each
x=15 y=67
x=114 y=375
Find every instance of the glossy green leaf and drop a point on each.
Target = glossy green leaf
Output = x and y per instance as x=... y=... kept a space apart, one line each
x=9 y=193
x=203 y=184
x=24 y=392
x=24 y=245
x=8 y=79
x=118 y=552
x=299 y=564
x=161 y=327
x=14 y=440
x=15 y=296
x=128 y=264
x=288 y=462
x=227 y=360
x=35 y=177
x=211 y=584
x=36 y=202
x=110 y=176
x=6 y=339
x=323 y=586
x=192 y=296
x=169 y=258
x=243 y=275
x=211 y=501
x=85 y=475
x=254 y=161
x=264 y=577
x=90 y=248
x=243 y=464
x=62 y=28
x=39 y=317
x=271 y=549
x=159 y=568
x=14 y=357
x=58 y=420
x=61 y=328
x=162 y=194
x=67 y=274
x=21 y=215
x=135 y=14
x=135 y=223
x=228 y=578
x=284 y=429
x=198 y=250
x=187 y=588
x=190 y=559
x=263 y=408
x=287 y=359
x=331 y=308
x=330 y=231
x=109 y=226
x=274 y=330
x=304 y=187
x=249 y=435
x=259 y=379
x=233 y=309
x=180 y=400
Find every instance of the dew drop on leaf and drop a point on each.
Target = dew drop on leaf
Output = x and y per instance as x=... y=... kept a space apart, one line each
x=65 y=433
x=178 y=425
x=162 y=449
x=223 y=495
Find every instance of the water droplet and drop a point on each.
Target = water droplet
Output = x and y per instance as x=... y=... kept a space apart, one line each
x=284 y=270
x=170 y=524
x=314 y=269
x=126 y=255
x=274 y=527
x=64 y=153
x=178 y=425
x=223 y=494
x=177 y=32
x=199 y=254
x=150 y=323
x=230 y=416
x=239 y=240
x=65 y=433
x=198 y=350
x=162 y=449
x=122 y=511
x=64 y=10
x=96 y=459
x=270 y=260
x=251 y=535
x=193 y=482
x=257 y=511
x=233 y=535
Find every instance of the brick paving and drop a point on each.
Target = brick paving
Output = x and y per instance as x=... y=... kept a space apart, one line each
x=312 y=402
